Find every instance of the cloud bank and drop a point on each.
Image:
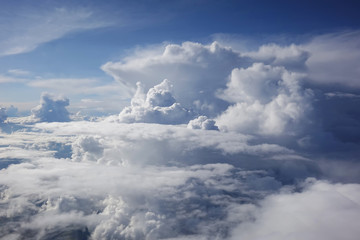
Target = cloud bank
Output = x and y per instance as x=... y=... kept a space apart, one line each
x=322 y=211
x=234 y=145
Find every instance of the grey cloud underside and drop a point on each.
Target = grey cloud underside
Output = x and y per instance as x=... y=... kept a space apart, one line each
x=230 y=145
x=3 y=115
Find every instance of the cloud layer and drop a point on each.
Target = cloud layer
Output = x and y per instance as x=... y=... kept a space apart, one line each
x=215 y=144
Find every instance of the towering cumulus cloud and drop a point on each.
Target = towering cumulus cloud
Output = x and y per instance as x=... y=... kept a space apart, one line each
x=195 y=70
x=51 y=109
x=267 y=100
x=157 y=106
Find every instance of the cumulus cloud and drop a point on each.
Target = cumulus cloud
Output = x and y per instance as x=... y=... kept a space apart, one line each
x=87 y=148
x=195 y=70
x=268 y=100
x=105 y=188
x=145 y=174
x=292 y=57
x=157 y=106
x=202 y=122
x=51 y=109
x=104 y=185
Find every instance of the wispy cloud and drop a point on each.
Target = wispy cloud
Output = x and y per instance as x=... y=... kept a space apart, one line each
x=26 y=30
x=77 y=86
x=8 y=79
x=19 y=72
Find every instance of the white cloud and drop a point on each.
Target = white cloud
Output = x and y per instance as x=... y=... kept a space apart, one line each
x=328 y=59
x=146 y=181
x=341 y=95
x=157 y=106
x=292 y=57
x=321 y=211
x=202 y=122
x=141 y=180
x=99 y=96
x=51 y=109
x=176 y=136
x=26 y=30
x=108 y=184
x=87 y=148
x=7 y=79
x=195 y=70
x=268 y=100
x=19 y=72
x=334 y=59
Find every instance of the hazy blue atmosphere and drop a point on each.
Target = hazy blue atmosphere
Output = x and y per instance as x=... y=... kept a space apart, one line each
x=179 y=120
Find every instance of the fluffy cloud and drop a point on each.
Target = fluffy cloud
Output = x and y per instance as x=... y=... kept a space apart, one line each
x=321 y=211
x=292 y=57
x=268 y=100
x=261 y=92
x=202 y=122
x=157 y=106
x=195 y=70
x=145 y=174
x=106 y=187
x=87 y=148
x=189 y=184
x=51 y=109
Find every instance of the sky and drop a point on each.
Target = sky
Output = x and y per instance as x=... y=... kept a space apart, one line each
x=70 y=41
x=179 y=120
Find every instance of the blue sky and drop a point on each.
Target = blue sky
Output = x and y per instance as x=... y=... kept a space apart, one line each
x=73 y=39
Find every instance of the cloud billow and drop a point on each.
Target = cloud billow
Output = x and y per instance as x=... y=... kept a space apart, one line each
x=51 y=109
x=268 y=100
x=195 y=70
x=157 y=106
x=157 y=171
